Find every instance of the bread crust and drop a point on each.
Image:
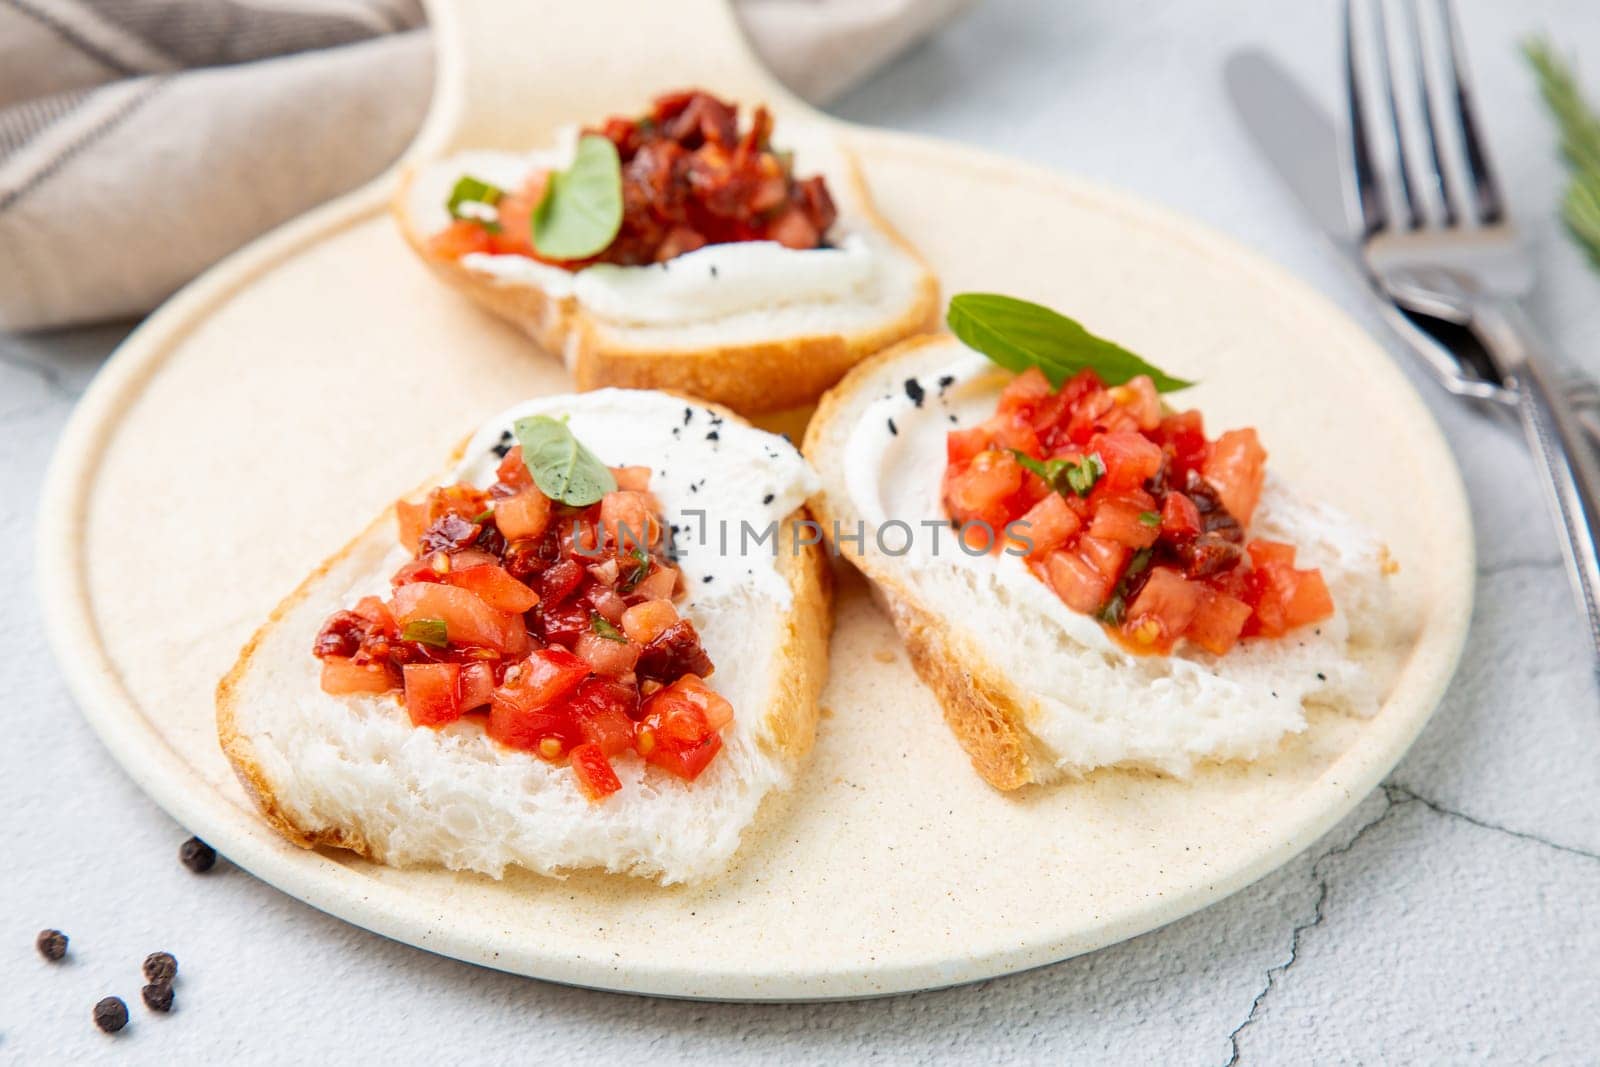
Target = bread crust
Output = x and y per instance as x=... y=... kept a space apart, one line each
x=985 y=712
x=751 y=379
x=792 y=704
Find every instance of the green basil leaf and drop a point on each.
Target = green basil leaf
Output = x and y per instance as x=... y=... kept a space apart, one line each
x=426 y=632
x=603 y=628
x=562 y=468
x=582 y=207
x=470 y=190
x=1018 y=334
x=1150 y=518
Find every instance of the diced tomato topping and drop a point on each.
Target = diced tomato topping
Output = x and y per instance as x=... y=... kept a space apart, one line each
x=551 y=618
x=1180 y=519
x=462 y=237
x=1283 y=596
x=467 y=619
x=1218 y=621
x=512 y=472
x=603 y=709
x=342 y=676
x=690 y=177
x=494 y=587
x=477 y=685
x=645 y=621
x=1128 y=512
x=1236 y=468
x=675 y=732
x=608 y=656
x=1077 y=581
x=1162 y=611
x=978 y=491
x=433 y=696
x=1049 y=524
x=1127 y=521
x=523 y=516
x=626 y=517
x=1130 y=459
x=593 y=771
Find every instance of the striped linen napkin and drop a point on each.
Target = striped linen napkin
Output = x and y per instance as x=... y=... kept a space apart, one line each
x=142 y=140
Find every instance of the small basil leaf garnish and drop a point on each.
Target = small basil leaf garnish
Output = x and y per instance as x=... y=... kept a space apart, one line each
x=581 y=211
x=470 y=190
x=562 y=468
x=1018 y=334
x=426 y=632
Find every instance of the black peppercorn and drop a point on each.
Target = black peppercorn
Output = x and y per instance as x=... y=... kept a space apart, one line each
x=196 y=855
x=111 y=1014
x=158 y=996
x=52 y=944
x=160 y=967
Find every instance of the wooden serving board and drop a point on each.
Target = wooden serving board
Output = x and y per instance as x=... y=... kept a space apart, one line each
x=265 y=413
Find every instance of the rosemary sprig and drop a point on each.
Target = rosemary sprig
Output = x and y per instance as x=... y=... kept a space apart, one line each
x=1580 y=143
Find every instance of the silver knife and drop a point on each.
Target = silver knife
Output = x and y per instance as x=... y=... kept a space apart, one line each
x=1300 y=142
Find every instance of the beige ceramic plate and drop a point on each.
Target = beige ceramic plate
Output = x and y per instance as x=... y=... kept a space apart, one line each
x=270 y=409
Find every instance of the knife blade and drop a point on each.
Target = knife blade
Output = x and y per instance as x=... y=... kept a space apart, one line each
x=1295 y=136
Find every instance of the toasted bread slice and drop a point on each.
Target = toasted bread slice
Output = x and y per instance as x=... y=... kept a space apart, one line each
x=353 y=772
x=1033 y=690
x=739 y=328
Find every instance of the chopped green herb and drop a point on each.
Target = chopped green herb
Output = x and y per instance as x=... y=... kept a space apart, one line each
x=484 y=515
x=603 y=627
x=641 y=569
x=1018 y=334
x=1117 y=607
x=581 y=211
x=1063 y=475
x=561 y=467
x=426 y=632
x=470 y=190
x=1150 y=518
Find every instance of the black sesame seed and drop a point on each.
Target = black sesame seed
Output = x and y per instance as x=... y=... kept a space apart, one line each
x=157 y=996
x=894 y=431
x=111 y=1014
x=713 y=270
x=688 y=414
x=713 y=436
x=769 y=498
x=504 y=445
x=954 y=419
x=705 y=579
x=160 y=967
x=946 y=381
x=196 y=855
x=1321 y=677
x=52 y=944
x=915 y=391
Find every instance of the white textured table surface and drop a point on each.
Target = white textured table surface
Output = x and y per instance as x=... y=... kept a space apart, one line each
x=1454 y=916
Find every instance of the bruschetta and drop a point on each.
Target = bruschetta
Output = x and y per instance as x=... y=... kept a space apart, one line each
x=552 y=658
x=675 y=250
x=1083 y=576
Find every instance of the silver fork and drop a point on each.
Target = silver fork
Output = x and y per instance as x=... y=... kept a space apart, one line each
x=1439 y=240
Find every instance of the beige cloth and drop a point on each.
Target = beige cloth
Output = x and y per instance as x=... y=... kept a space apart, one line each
x=142 y=140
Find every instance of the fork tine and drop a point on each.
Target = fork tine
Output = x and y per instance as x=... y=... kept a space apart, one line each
x=1369 y=184
x=1444 y=186
x=1486 y=190
x=1408 y=199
